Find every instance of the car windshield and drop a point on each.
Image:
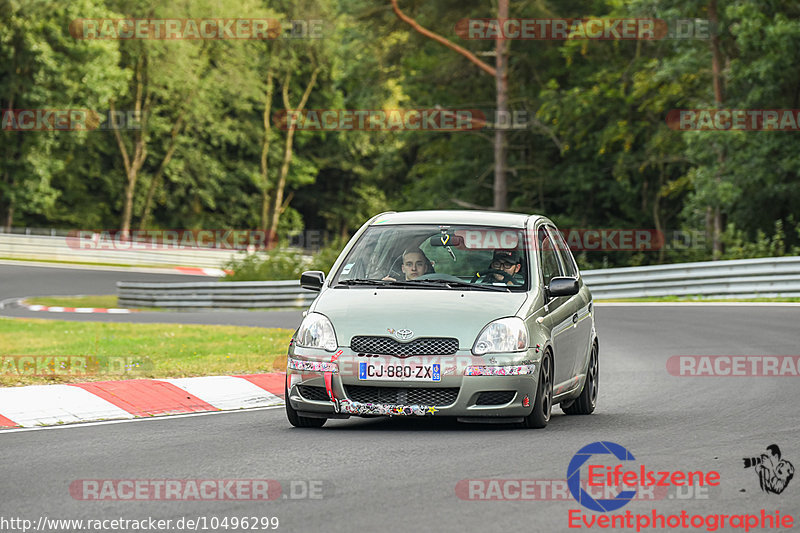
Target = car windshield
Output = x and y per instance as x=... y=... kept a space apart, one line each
x=428 y=256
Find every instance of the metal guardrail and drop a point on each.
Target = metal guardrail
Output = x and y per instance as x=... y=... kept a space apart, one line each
x=66 y=248
x=746 y=278
x=768 y=277
x=217 y=294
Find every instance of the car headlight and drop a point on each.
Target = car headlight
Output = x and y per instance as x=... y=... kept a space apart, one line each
x=316 y=331
x=504 y=335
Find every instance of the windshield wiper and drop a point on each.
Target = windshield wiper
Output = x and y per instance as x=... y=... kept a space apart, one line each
x=465 y=284
x=427 y=283
x=384 y=283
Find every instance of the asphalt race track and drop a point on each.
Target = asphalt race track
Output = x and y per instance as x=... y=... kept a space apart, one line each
x=401 y=474
x=24 y=280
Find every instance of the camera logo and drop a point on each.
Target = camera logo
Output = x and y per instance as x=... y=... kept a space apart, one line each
x=774 y=473
x=574 y=477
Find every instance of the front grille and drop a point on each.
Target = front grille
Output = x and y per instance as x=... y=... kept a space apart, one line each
x=495 y=397
x=401 y=396
x=389 y=346
x=313 y=393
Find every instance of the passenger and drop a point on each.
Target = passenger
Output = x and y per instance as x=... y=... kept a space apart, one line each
x=415 y=264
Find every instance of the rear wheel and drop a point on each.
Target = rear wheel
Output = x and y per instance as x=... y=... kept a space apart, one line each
x=301 y=421
x=586 y=402
x=543 y=403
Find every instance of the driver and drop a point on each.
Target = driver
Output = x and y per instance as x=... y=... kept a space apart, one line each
x=415 y=264
x=507 y=261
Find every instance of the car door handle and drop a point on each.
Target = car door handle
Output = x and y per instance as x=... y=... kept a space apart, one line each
x=575 y=318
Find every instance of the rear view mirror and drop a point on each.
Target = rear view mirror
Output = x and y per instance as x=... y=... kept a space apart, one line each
x=447 y=239
x=562 y=286
x=312 y=280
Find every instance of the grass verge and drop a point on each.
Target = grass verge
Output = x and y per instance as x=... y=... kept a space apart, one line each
x=147 y=350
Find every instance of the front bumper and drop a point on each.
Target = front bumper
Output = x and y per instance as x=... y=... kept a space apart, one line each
x=507 y=392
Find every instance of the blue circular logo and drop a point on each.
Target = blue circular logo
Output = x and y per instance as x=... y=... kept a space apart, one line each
x=574 y=477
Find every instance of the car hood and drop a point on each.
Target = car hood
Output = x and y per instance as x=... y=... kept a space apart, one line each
x=426 y=312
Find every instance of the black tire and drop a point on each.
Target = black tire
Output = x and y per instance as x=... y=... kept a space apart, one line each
x=543 y=403
x=301 y=421
x=586 y=402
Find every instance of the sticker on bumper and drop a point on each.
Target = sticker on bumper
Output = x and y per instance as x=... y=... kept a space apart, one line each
x=313 y=366
x=358 y=408
x=518 y=370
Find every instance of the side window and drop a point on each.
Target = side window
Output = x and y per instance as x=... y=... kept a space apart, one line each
x=567 y=261
x=547 y=255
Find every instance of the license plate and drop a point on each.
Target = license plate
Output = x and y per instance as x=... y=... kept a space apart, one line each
x=407 y=372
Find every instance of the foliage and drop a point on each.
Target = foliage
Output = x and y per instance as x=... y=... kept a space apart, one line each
x=594 y=150
x=739 y=246
x=267 y=266
x=282 y=264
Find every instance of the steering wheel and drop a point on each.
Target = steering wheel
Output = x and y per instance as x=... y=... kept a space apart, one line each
x=395 y=270
x=487 y=276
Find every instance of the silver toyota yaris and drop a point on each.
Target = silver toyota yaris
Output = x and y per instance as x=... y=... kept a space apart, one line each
x=482 y=316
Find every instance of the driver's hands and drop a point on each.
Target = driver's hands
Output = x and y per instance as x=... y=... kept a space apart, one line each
x=388 y=278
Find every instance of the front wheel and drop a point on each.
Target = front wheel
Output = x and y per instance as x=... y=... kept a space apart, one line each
x=301 y=421
x=543 y=403
x=586 y=402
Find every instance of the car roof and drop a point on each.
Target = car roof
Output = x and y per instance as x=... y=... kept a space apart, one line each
x=454 y=216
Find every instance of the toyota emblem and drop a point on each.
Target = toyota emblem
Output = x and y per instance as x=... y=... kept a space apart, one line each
x=404 y=334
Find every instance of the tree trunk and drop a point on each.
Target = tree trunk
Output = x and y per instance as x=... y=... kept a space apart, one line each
x=277 y=202
x=500 y=73
x=7 y=203
x=719 y=95
x=173 y=144
x=500 y=188
x=180 y=123
x=9 y=215
x=132 y=165
x=151 y=190
x=265 y=152
x=128 y=205
x=8 y=180
x=657 y=214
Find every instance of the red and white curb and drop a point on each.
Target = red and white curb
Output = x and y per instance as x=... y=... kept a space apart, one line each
x=203 y=271
x=45 y=405
x=57 y=309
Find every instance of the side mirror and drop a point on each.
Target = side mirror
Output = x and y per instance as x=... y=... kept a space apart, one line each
x=562 y=286
x=312 y=280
